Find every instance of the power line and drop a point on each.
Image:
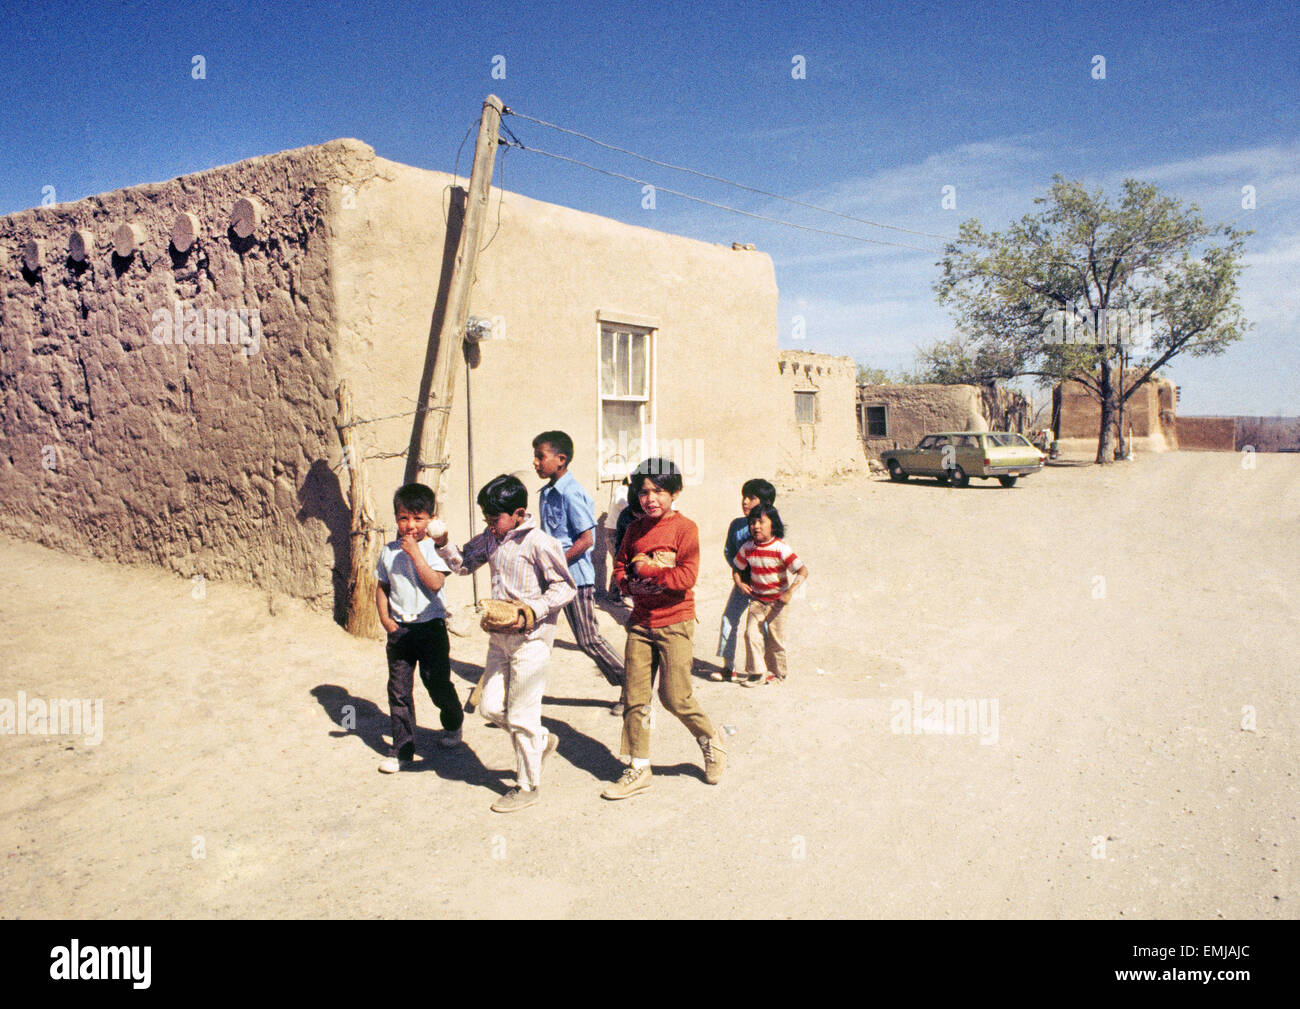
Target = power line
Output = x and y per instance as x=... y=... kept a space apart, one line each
x=719 y=206
x=728 y=182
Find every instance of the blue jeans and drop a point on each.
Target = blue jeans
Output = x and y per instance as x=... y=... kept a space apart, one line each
x=733 y=627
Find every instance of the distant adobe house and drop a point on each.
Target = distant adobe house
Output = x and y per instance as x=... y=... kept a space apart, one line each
x=898 y=416
x=170 y=356
x=1151 y=415
x=820 y=390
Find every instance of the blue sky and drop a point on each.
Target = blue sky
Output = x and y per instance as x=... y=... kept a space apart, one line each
x=897 y=102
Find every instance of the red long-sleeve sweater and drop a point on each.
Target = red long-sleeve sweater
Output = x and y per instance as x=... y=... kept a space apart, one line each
x=675 y=600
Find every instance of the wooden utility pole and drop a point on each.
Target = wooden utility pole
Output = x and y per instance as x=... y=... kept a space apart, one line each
x=428 y=445
x=361 y=617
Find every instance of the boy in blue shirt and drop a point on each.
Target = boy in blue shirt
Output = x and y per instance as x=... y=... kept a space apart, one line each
x=752 y=493
x=411 y=608
x=567 y=513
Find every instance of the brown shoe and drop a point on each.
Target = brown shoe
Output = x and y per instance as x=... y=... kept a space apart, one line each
x=715 y=758
x=635 y=779
x=516 y=799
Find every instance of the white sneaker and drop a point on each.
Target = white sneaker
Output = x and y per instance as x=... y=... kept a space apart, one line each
x=392 y=765
x=450 y=738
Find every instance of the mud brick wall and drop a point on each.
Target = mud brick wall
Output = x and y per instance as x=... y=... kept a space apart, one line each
x=1207 y=434
x=206 y=458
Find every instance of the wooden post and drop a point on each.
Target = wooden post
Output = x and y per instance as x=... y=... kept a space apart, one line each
x=365 y=540
x=428 y=445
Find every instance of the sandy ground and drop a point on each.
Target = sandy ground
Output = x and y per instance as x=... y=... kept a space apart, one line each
x=1126 y=621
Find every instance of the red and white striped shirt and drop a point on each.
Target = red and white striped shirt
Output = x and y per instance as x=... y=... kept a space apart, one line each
x=769 y=566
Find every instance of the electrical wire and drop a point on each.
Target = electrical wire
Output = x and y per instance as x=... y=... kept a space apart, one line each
x=723 y=206
x=728 y=182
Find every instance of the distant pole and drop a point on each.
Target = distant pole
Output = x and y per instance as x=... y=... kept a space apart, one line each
x=427 y=449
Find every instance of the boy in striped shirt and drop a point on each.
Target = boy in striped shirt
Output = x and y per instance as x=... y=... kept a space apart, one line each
x=770 y=563
x=528 y=567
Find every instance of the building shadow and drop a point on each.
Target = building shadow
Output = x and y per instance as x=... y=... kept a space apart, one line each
x=321 y=497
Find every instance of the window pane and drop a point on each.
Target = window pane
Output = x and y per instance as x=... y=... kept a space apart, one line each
x=620 y=447
x=805 y=407
x=638 y=384
x=606 y=362
x=621 y=364
x=876 y=422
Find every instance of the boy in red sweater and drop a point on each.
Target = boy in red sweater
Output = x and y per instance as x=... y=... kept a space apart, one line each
x=662 y=625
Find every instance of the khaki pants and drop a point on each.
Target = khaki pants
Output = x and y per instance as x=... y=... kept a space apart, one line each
x=513 y=684
x=765 y=633
x=675 y=651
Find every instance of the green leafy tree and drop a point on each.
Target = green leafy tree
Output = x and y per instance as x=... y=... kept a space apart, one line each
x=1060 y=292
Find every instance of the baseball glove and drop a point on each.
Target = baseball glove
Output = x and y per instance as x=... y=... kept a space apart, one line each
x=659 y=558
x=503 y=615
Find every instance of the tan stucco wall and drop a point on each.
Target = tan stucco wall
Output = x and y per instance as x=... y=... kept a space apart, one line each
x=200 y=458
x=831 y=445
x=913 y=411
x=547 y=274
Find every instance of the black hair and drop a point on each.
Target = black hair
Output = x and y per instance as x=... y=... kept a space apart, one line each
x=759 y=510
x=415 y=497
x=761 y=489
x=561 y=444
x=503 y=495
x=663 y=473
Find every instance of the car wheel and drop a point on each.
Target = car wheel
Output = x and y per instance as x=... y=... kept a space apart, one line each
x=896 y=471
x=1007 y=481
x=958 y=477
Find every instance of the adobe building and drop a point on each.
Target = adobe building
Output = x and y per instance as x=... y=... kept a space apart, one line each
x=171 y=356
x=822 y=390
x=1150 y=415
x=899 y=416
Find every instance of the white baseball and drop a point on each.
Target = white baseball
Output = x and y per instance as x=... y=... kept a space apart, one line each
x=436 y=529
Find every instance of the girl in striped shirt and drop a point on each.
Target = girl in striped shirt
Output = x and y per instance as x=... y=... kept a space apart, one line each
x=771 y=564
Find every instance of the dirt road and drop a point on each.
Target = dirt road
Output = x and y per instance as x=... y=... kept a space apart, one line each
x=1115 y=650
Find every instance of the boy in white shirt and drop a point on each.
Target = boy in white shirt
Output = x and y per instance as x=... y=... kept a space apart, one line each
x=413 y=612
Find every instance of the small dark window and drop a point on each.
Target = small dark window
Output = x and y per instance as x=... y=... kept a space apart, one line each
x=805 y=407
x=876 y=425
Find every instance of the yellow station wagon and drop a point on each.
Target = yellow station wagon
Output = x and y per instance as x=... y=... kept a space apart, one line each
x=956 y=456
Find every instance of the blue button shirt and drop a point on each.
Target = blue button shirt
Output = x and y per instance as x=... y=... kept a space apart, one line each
x=567 y=512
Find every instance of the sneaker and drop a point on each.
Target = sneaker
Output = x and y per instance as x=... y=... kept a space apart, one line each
x=635 y=779
x=616 y=709
x=715 y=758
x=552 y=744
x=450 y=738
x=722 y=675
x=392 y=765
x=516 y=799
x=752 y=680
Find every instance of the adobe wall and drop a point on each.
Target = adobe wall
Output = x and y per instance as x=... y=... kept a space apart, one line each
x=1149 y=413
x=209 y=460
x=830 y=445
x=547 y=276
x=204 y=458
x=913 y=411
x=1207 y=434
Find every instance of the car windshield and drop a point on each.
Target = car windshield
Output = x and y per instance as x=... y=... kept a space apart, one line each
x=1009 y=439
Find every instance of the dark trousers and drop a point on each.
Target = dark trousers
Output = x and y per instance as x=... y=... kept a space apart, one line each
x=426 y=644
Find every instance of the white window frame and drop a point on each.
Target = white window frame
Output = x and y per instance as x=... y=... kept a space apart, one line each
x=616 y=468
